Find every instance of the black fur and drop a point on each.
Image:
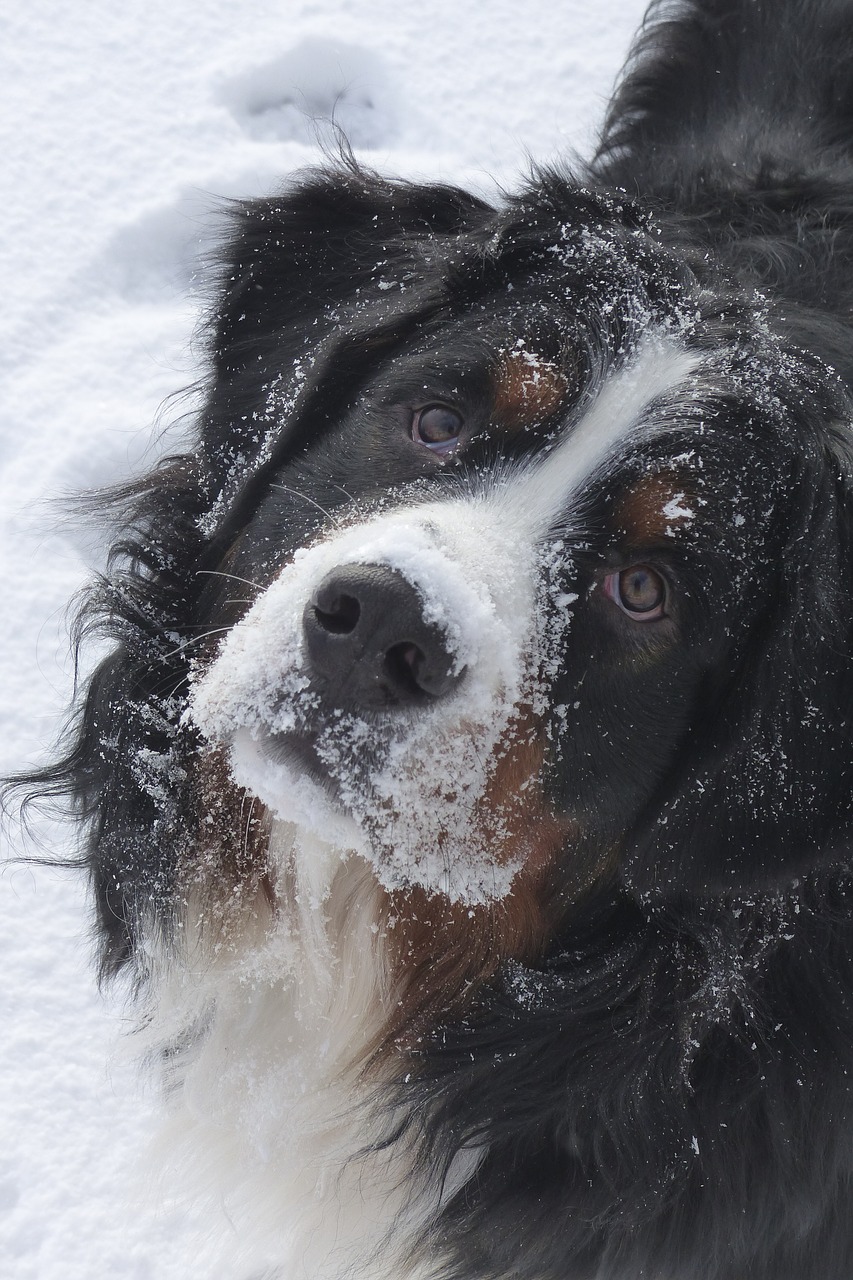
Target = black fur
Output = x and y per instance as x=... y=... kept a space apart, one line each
x=667 y=1095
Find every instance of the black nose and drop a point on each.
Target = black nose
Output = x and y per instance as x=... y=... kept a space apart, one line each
x=367 y=638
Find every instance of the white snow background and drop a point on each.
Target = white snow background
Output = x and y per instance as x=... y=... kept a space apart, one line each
x=119 y=127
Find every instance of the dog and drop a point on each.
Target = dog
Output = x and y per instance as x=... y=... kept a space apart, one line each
x=468 y=790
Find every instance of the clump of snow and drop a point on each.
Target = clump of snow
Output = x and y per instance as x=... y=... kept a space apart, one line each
x=676 y=510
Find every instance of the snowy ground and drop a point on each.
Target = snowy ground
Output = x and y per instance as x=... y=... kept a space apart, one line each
x=120 y=125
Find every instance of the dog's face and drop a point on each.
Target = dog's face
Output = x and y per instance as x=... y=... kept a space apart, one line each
x=544 y=560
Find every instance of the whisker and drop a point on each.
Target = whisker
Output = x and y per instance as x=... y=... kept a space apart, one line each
x=304 y=496
x=218 y=573
x=248 y=827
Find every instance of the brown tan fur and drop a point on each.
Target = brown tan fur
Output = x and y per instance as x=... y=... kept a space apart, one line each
x=527 y=390
x=227 y=868
x=640 y=516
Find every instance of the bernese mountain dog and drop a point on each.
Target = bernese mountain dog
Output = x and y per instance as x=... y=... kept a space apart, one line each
x=468 y=787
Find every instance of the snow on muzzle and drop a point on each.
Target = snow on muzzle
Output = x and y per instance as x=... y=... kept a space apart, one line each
x=371 y=694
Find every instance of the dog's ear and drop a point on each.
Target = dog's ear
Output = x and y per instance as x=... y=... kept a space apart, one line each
x=301 y=272
x=292 y=261
x=764 y=788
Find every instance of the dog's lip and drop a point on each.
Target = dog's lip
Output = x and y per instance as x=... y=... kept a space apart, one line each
x=297 y=750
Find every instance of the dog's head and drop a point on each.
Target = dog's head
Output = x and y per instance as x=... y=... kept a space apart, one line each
x=534 y=547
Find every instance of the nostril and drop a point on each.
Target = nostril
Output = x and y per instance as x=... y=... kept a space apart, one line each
x=338 y=615
x=404 y=663
x=418 y=671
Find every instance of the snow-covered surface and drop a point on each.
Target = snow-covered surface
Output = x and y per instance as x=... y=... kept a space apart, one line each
x=120 y=125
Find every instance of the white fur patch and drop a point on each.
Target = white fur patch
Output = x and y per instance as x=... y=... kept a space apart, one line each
x=267 y=1117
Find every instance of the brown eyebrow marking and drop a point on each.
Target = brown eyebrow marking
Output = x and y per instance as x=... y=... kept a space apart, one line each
x=527 y=389
x=655 y=508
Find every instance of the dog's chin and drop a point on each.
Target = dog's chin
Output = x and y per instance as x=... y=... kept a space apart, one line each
x=286 y=774
x=418 y=832
x=298 y=752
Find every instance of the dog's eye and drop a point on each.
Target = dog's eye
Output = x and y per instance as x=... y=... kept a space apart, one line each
x=438 y=427
x=639 y=591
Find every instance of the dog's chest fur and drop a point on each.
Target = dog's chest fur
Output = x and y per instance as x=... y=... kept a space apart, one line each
x=267 y=1030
